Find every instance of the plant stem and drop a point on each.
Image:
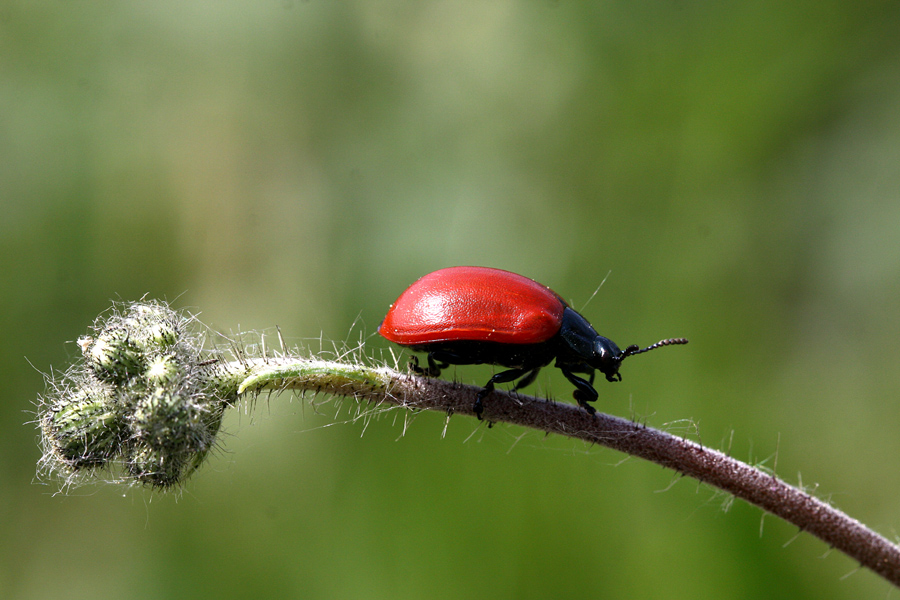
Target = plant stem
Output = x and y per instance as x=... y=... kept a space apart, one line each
x=382 y=385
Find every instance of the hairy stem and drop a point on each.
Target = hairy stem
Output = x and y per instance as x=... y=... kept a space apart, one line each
x=144 y=404
x=382 y=385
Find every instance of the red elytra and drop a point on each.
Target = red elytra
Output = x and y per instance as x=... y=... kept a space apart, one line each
x=474 y=303
x=479 y=315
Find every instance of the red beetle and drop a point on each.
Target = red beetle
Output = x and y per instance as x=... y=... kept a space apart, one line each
x=479 y=315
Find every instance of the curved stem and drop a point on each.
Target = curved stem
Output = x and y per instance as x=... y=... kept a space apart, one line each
x=382 y=385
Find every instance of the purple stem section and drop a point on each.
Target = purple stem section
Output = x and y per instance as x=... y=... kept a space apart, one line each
x=761 y=489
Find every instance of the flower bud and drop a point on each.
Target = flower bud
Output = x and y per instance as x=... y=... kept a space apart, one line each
x=163 y=370
x=141 y=399
x=172 y=432
x=154 y=326
x=114 y=357
x=83 y=430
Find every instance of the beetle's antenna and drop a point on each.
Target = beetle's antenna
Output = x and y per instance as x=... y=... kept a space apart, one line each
x=635 y=349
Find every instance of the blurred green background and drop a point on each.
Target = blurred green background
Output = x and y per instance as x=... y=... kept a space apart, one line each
x=733 y=167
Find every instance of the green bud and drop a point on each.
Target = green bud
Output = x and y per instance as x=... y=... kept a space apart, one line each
x=163 y=370
x=114 y=357
x=173 y=430
x=155 y=466
x=155 y=326
x=162 y=335
x=84 y=429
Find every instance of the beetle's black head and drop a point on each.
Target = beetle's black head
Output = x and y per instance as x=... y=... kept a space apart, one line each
x=607 y=357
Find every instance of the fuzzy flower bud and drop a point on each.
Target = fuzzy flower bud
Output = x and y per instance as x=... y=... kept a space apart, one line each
x=82 y=430
x=146 y=401
x=113 y=356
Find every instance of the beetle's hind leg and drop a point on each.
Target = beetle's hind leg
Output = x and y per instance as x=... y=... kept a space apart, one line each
x=527 y=380
x=433 y=369
x=502 y=377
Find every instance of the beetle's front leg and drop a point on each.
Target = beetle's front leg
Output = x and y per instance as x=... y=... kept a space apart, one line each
x=584 y=391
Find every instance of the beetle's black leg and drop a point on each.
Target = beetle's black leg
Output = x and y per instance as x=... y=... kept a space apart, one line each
x=478 y=407
x=584 y=391
x=433 y=369
x=581 y=368
x=502 y=377
x=527 y=380
x=413 y=365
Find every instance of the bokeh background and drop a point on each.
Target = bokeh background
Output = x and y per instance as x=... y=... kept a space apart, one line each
x=732 y=170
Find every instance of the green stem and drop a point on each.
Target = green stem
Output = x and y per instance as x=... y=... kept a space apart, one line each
x=314 y=375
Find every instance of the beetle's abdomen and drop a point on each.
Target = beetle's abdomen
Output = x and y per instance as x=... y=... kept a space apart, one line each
x=474 y=303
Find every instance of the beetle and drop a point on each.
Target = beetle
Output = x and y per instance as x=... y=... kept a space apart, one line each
x=481 y=315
